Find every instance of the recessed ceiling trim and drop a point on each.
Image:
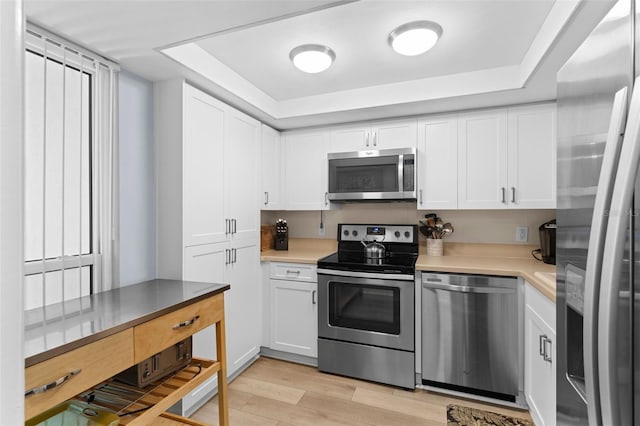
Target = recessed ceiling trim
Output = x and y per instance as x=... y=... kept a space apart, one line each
x=485 y=81
x=258 y=23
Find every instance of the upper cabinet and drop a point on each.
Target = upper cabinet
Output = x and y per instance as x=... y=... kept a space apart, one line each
x=482 y=160
x=532 y=157
x=271 y=190
x=305 y=169
x=438 y=162
x=506 y=158
x=205 y=151
x=378 y=135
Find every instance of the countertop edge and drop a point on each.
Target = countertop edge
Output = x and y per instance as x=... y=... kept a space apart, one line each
x=68 y=347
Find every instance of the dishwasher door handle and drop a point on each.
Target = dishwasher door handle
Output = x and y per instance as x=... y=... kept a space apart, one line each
x=467 y=289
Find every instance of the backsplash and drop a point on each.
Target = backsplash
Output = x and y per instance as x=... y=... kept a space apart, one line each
x=471 y=226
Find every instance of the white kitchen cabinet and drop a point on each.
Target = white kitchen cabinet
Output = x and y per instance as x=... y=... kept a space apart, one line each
x=438 y=162
x=271 y=170
x=506 y=158
x=482 y=160
x=377 y=135
x=305 y=170
x=293 y=304
x=532 y=157
x=540 y=357
x=202 y=168
x=241 y=155
x=208 y=212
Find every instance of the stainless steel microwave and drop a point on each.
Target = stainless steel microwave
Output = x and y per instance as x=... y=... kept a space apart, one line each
x=384 y=175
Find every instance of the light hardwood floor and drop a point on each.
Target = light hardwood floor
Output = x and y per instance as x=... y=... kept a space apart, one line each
x=273 y=392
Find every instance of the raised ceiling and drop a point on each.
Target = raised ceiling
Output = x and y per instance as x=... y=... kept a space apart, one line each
x=492 y=52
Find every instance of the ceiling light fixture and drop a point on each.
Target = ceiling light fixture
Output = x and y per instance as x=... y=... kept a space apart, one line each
x=414 y=38
x=312 y=58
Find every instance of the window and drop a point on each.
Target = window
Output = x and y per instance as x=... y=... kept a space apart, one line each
x=69 y=152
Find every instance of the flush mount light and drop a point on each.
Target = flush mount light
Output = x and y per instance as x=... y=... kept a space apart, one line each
x=312 y=58
x=414 y=38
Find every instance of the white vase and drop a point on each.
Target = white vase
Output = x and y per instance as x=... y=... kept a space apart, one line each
x=434 y=247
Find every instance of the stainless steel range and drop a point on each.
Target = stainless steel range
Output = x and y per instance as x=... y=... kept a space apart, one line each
x=366 y=304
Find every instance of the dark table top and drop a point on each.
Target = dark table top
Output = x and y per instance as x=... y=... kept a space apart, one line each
x=55 y=329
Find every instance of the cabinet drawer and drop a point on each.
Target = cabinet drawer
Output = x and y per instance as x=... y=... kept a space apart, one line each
x=94 y=363
x=160 y=333
x=294 y=272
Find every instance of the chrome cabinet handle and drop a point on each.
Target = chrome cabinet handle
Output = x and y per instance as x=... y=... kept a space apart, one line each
x=235 y=224
x=513 y=194
x=375 y=139
x=289 y=271
x=235 y=256
x=227 y=256
x=541 y=340
x=227 y=226
x=313 y=297
x=186 y=323
x=420 y=192
x=326 y=198
x=367 y=139
x=547 y=355
x=56 y=383
x=504 y=199
x=266 y=198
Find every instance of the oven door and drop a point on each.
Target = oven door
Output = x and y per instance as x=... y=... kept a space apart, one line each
x=368 y=308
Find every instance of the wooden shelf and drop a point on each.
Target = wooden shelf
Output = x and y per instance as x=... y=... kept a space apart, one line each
x=155 y=399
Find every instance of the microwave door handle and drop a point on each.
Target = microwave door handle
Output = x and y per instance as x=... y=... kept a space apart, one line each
x=619 y=220
x=594 y=253
x=401 y=173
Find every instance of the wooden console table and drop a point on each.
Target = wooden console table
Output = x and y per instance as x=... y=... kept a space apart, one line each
x=77 y=345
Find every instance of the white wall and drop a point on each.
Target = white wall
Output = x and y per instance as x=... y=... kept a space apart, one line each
x=11 y=213
x=137 y=180
x=471 y=226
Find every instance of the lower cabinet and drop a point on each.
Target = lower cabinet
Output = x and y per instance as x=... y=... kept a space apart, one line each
x=540 y=353
x=293 y=309
x=236 y=263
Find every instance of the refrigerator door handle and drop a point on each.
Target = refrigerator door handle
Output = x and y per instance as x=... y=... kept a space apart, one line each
x=612 y=262
x=594 y=253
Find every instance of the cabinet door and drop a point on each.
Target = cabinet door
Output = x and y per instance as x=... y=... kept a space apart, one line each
x=540 y=374
x=243 y=305
x=270 y=165
x=241 y=166
x=394 y=134
x=294 y=317
x=351 y=138
x=306 y=170
x=438 y=163
x=207 y=262
x=482 y=160
x=203 y=178
x=532 y=157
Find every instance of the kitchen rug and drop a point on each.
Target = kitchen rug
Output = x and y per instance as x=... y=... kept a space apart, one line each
x=458 y=415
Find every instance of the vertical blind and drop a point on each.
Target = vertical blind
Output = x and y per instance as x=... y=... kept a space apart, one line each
x=70 y=153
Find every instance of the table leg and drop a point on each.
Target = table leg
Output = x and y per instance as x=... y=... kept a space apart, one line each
x=221 y=353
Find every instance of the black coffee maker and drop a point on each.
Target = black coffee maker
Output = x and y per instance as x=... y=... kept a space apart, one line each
x=547 y=248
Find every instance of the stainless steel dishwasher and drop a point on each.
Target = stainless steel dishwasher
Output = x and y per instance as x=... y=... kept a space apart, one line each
x=472 y=339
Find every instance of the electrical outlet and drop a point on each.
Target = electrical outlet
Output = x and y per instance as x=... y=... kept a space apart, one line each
x=522 y=233
x=321 y=230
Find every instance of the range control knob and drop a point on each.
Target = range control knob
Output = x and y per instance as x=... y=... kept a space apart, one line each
x=355 y=233
x=397 y=234
x=346 y=232
x=407 y=234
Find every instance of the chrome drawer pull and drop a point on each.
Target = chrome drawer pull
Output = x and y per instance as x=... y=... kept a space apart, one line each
x=186 y=323
x=541 y=339
x=289 y=271
x=62 y=380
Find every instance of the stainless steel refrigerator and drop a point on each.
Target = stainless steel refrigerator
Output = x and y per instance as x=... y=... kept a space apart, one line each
x=598 y=238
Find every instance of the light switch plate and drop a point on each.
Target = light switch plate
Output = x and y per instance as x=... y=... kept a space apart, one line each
x=522 y=234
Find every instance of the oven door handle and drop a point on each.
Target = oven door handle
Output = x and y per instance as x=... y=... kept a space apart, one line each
x=468 y=289
x=352 y=274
